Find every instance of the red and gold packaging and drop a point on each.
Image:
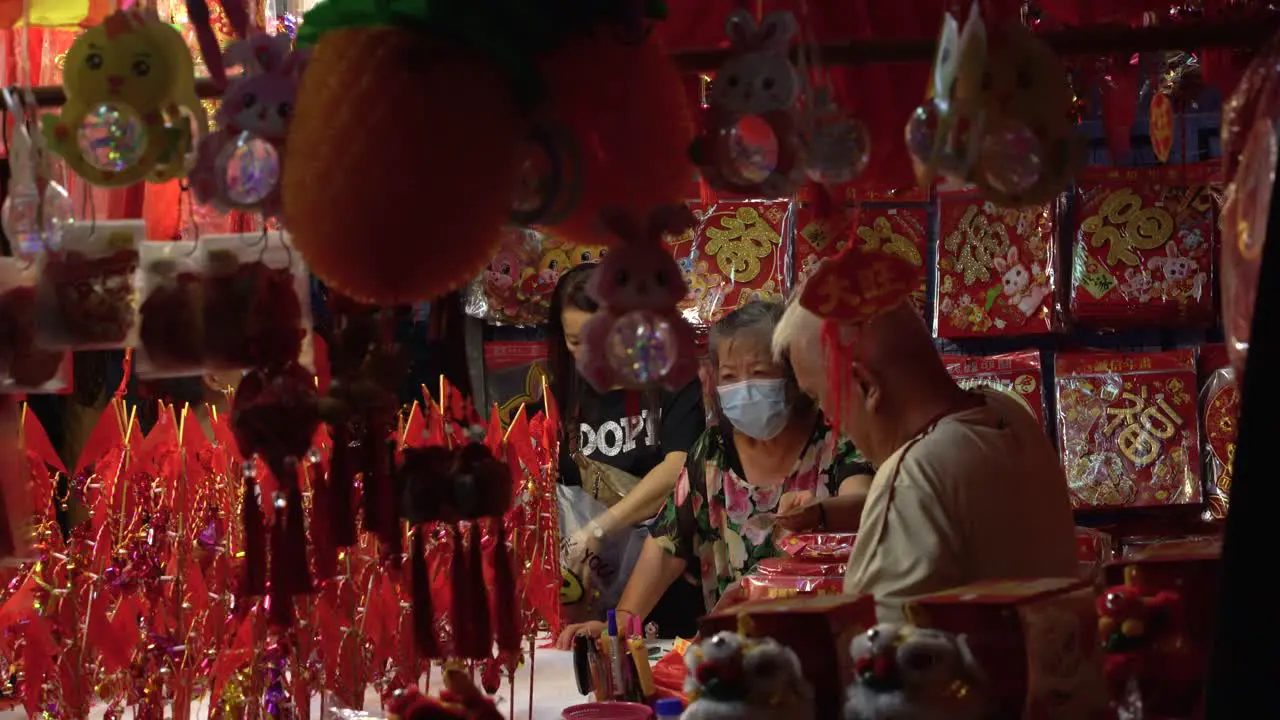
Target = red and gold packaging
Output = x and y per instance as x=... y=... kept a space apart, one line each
x=819 y=547
x=1017 y=374
x=739 y=253
x=799 y=566
x=995 y=269
x=818 y=629
x=1220 y=409
x=1094 y=549
x=901 y=230
x=1143 y=253
x=820 y=237
x=778 y=587
x=1034 y=639
x=1128 y=426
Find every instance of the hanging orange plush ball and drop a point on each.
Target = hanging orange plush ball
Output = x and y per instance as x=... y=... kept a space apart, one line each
x=401 y=164
x=624 y=111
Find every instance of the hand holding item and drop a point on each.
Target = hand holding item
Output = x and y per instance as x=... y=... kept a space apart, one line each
x=591 y=628
x=808 y=516
x=794 y=500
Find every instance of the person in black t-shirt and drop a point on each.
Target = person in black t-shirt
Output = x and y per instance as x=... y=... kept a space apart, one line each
x=647 y=439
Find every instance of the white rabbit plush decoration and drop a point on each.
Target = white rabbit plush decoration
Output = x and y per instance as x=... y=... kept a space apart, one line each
x=757 y=81
x=909 y=673
x=732 y=677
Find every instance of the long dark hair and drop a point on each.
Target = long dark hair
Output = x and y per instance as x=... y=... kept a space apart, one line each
x=571 y=292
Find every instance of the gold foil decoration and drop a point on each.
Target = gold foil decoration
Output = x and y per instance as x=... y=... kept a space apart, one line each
x=1125 y=227
x=975 y=245
x=881 y=236
x=740 y=242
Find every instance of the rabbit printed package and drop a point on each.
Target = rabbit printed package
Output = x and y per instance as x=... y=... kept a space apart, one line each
x=996 y=272
x=1143 y=253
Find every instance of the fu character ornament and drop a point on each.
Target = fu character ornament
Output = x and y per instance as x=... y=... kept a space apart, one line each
x=132 y=112
x=907 y=673
x=754 y=93
x=638 y=339
x=239 y=166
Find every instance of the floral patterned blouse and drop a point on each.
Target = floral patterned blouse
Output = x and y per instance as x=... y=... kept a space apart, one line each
x=734 y=519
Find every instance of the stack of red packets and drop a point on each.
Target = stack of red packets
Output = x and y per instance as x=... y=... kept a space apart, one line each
x=814 y=565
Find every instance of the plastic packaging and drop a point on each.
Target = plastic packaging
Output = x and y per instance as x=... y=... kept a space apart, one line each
x=257 y=308
x=996 y=272
x=595 y=570
x=25 y=366
x=85 y=293
x=171 y=316
x=1220 y=408
x=1128 y=426
x=1093 y=550
x=1017 y=374
x=740 y=252
x=799 y=566
x=668 y=709
x=517 y=285
x=821 y=547
x=777 y=587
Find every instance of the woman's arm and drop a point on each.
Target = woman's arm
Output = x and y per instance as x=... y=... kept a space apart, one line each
x=653 y=573
x=840 y=514
x=646 y=498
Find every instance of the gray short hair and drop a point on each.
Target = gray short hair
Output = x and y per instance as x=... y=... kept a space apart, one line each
x=760 y=316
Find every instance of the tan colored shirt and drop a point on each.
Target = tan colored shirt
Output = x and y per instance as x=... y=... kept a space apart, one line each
x=980 y=497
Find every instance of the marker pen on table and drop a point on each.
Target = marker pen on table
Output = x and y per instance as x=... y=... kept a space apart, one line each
x=644 y=674
x=615 y=651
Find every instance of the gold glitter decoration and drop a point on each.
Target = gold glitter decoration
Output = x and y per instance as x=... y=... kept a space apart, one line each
x=740 y=242
x=1124 y=226
x=975 y=245
x=881 y=236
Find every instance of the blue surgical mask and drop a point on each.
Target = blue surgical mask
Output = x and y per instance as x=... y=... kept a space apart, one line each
x=757 y=408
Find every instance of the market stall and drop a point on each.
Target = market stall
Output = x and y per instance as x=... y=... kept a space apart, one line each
x=1075 y=199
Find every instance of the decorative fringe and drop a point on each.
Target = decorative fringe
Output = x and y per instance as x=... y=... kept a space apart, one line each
x=326 y=552
x=424 y=628
x=506 y=611
x=342 y=516
x=463 y=605
x=482 y=637
x=290 y=574
x=255 y=540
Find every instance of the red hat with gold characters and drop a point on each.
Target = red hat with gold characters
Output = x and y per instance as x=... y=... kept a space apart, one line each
x=858 y=284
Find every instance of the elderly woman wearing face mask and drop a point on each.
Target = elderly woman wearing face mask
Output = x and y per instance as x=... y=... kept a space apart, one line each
x=771 y=450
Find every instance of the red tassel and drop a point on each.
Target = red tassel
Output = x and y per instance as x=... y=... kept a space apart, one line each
x=461 y=607
x=506 y=619
x=482 y=637
x=342 y=516
x=255 y=541
x=389 y=504
x=326 y=553
x=424 y=628
x=289 y=572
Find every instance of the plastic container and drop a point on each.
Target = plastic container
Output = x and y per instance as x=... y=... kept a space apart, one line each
x=668 y=709
x=608 y=711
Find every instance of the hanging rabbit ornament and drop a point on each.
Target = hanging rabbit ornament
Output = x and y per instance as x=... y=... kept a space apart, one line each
x=239 y=167
x=131 y=113
x=754 y=96
x=638 y=340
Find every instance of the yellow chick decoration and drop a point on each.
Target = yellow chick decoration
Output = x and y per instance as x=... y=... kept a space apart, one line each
x=132 y=112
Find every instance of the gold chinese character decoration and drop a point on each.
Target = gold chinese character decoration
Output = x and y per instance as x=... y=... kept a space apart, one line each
x=976 y=244
x=1125 y=227
x=741 y=241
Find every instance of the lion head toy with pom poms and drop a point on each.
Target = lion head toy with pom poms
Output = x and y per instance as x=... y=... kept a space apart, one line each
x=238 y=167
x=906 y=673
x=757 y=82
x=402 y=150
x=131 y=106
x=638 y=340
x=1129 y=622
x=735 y=677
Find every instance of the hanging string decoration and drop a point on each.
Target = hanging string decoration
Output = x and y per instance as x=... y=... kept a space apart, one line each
x=131 y=113
x=638 y=340
x=239 y=166
x=754 y=94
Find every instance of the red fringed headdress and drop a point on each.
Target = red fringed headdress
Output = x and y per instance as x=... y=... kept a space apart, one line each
x=847 y=291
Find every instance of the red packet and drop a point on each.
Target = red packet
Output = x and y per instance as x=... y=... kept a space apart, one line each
x=902 y=231
x=778 y=587
x=797 y=566
x=1143 y=252
x=1036 y=640
x=740 y=252
x=1128 y=426
x=819 y=547
x=1220 y=411
x=1017 y=374
x=995 y=269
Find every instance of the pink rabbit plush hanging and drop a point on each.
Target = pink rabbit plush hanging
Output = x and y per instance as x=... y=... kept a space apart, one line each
x=239 y=167
x=638 y=340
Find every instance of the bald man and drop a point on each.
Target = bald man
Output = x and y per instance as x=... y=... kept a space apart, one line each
x=967 y=485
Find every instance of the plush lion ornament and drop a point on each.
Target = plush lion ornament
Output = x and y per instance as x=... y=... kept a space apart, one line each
x=733 y=677
x=907 y=673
